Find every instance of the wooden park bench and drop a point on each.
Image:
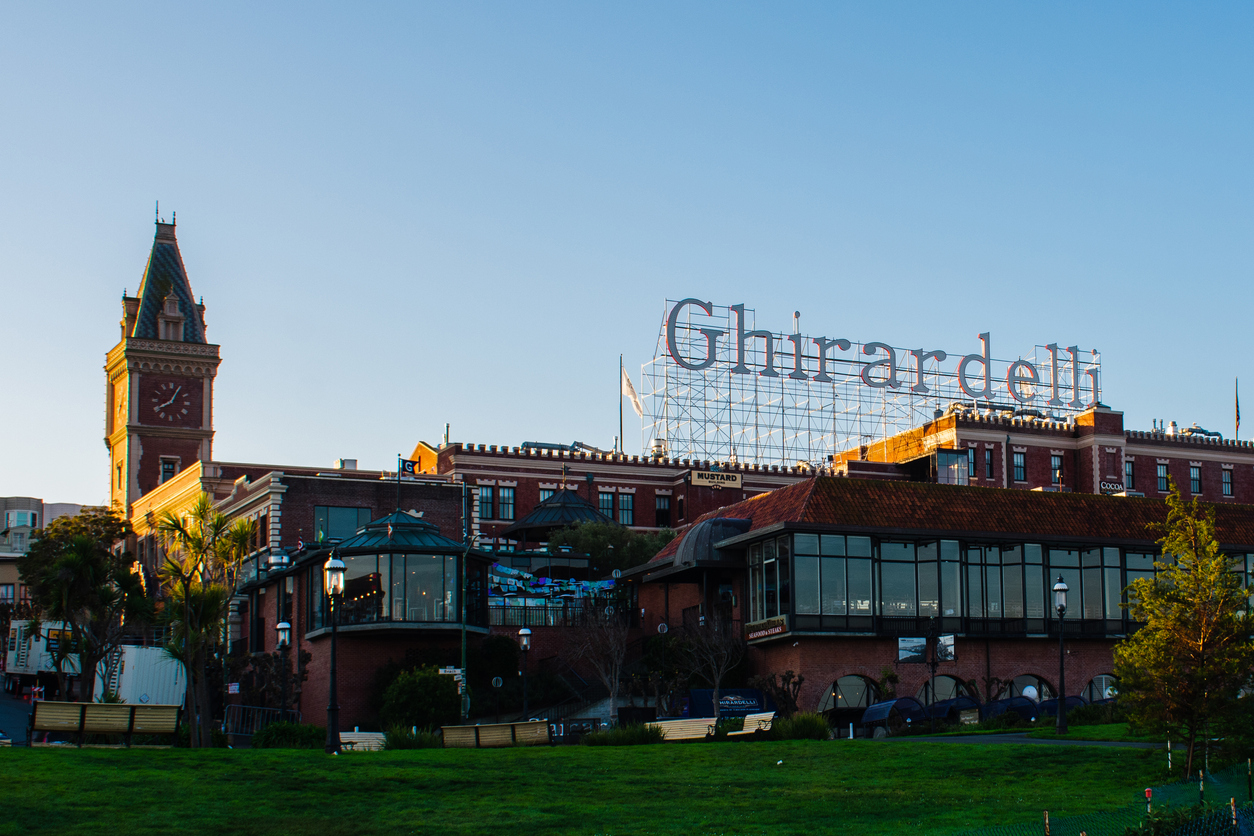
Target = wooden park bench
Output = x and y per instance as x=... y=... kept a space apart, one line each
x=755 y=723
x=362 y=741
x=84 y=718
x=530 y=733
x=693 y=728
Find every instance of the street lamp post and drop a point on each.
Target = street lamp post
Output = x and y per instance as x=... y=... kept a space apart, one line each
x=524 y=643
x=335 y=589
x=285 y=639
x=1060 y=604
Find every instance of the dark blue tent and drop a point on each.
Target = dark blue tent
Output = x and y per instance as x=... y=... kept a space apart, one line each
x=1024 y=707
x=907 y=708
x=1049 y=708
x=949 y=709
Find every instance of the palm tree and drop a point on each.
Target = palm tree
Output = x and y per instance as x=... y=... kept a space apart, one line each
x=204 y=550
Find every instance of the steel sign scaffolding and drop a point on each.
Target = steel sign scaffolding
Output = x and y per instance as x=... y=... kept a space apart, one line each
x=707 y=398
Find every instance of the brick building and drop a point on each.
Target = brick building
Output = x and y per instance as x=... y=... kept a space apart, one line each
x=838 y=578
x=1094 y=453
x=645 y=493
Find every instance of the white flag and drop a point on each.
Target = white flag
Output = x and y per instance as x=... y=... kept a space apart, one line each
x=630 y=392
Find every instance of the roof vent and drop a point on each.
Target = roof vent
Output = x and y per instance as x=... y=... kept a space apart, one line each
x=345 y=464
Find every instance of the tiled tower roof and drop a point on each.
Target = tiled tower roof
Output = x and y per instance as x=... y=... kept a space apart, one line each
x=165 y=273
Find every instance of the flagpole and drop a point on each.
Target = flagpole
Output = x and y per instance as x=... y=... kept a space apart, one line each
x=621 y=446
x=1236 y=392
x=398 y=481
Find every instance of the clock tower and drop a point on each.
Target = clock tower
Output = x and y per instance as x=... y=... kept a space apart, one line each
x=159 y=393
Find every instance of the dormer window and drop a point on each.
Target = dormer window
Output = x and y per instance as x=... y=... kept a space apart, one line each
x=170 y=321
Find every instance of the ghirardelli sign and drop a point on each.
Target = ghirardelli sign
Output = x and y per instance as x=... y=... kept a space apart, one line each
x=1066 y=378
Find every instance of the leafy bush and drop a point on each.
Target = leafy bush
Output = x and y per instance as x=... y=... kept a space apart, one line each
x=424 y=698
x=1096 y=715
x=1164 y=821
x=182 y=738
x=290 y=736
x=398 y=737
x=624 y=736
x=803 y=725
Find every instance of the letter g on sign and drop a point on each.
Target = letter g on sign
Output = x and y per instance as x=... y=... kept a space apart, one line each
x=711 y=334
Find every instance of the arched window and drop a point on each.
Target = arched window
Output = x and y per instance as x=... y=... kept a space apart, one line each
x=947 y=687
x=849 y=693
x=1028 y=685
x=1101 y=687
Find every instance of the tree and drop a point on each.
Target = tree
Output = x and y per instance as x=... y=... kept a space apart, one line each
x=204 y=550
x=712 y=647
x=423 y=697
x=75 y=576
x=609 y=546
x=783 y=689
x=1185 y=667
x=600 y=641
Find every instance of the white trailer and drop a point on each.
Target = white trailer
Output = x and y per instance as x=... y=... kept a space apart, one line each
x=31 y=653
x=143 y=676
x=138 y=675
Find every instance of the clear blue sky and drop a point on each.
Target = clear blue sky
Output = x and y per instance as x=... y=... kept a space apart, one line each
x=406 y=214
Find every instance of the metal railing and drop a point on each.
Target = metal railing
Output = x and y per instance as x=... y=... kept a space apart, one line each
x=565 y=616
x=247 y=720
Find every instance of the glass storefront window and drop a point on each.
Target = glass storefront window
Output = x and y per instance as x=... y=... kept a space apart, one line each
x=897 y=590
x=807 y=577
x=833 y=585
x=859 y=583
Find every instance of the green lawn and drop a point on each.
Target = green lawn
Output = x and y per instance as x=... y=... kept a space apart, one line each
x=844 y=787
x=1106 y=731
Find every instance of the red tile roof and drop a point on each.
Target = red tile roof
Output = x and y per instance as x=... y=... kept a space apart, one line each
x=960 y=510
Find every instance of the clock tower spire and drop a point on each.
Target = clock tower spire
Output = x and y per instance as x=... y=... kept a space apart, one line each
x=159 y=393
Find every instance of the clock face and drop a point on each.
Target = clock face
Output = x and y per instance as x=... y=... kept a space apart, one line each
x=171 y=403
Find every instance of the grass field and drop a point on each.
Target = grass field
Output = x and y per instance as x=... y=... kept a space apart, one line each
x=1107 y=731
x=859 y=787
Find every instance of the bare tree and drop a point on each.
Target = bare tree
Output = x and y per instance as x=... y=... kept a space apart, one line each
x=713 y=645
x=600 y=641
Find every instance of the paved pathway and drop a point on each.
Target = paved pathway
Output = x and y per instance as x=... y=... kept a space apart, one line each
x=1022 y=737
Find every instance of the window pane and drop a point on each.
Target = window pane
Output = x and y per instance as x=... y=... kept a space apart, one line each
x=833 y=544
x=833 y=578
x=363 y=590
x=1140 y=561
x=451 y=581
x=897 y=589
x=951 y=587
x=859 y=584
x=1094 y=603
x=1063 y=557
x=785 y=586
x=1091 y=557
x=858 y=547
x=806 y=543
x=896 y=551
x=992 y=591
x=398 y=587
x=975 y=592
x=546 y=493
x=807 y=585
x=770 y=579
x=1034 y=594
x=929 y=589
x=506 y=504
x=605 y=501
x=1012 y=591
x=342 y=523
x=1114 y=589
x=626 y=509
x=487 y=503
x=424 y=587
x=1110 y=557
